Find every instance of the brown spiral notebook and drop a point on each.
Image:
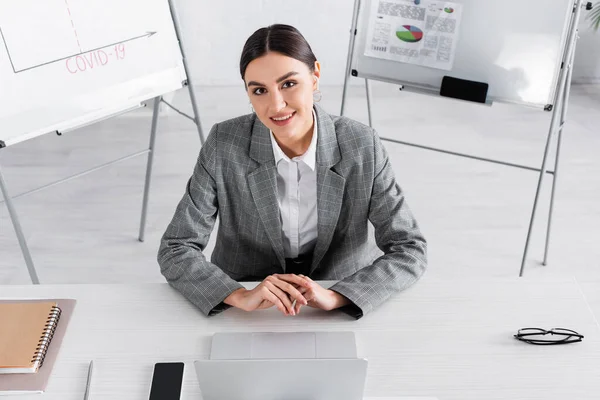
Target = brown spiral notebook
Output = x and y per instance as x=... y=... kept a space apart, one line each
x=31 y=334
x=25 y=334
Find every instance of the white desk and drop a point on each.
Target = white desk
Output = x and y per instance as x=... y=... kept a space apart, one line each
x=450 y=339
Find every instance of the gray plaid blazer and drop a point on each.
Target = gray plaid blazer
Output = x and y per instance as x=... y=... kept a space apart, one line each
x=235 y=179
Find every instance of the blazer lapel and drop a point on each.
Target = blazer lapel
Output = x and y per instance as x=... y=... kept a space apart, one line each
x=330 y=185
x=263 y=186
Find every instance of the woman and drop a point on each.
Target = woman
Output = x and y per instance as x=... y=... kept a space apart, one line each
x=294 y=189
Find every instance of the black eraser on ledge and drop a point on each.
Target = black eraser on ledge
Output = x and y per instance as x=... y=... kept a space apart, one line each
x=464 y=90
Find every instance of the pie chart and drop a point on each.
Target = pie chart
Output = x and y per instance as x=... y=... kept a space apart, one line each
x=449 y=10
x=409 y=33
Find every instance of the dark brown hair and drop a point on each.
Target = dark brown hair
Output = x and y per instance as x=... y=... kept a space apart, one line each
x=284 y=39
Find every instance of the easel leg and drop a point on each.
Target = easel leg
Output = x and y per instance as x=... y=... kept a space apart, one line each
x=19 y=231
x=155 y=112
x=558 y=117
x=550 y=213
x=195 y=107
x=350 y=53
x=187 y=71
x=537 y=193
x=369 y=95
x=557 y=162
x=344 y=93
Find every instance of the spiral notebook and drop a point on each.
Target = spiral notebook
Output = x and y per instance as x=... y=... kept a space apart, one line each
x=31 y=334
x=25 y=334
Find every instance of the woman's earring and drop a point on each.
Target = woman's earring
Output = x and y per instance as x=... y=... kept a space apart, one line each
x=317 y=95
x=252 y=108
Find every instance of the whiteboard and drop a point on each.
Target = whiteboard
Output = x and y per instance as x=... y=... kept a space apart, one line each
x=65 y=63
x=515 y=46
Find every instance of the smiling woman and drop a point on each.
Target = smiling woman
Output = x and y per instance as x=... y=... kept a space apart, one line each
x=281 y=92
x=281 y=73
x=295 y=189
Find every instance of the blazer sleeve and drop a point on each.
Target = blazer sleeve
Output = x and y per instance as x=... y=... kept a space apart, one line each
x=397 y=234
x=180 y=256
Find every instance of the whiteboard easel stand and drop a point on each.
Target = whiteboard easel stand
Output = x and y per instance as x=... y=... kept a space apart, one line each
x=556 y=126
x=559 y=111
x=156 y=109
x=189 y=84
x=19 y=231
x=155 y=113
x=149 y=165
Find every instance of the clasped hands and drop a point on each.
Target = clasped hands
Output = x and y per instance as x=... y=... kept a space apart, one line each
x=289 y=293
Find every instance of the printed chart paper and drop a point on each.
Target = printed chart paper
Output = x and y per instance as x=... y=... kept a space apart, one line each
x=424 y=34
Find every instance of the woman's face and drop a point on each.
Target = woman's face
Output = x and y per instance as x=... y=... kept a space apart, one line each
x=281 y=89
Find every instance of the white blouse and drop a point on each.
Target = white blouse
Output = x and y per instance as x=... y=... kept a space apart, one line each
x=297 y=195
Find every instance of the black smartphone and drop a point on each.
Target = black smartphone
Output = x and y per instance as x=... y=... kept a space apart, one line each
x=166 y=381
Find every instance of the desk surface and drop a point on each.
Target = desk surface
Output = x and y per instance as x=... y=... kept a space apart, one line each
x=449 y=339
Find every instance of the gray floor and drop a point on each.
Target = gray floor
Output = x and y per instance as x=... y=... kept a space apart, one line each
x=474 y=214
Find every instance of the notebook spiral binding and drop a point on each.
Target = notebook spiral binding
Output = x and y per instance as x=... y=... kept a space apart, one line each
x=49 y=329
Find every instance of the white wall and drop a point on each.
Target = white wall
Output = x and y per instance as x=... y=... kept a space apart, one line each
x=214 y=32
x=587 y=58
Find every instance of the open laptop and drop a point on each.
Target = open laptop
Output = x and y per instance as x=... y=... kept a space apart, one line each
x=275 y=366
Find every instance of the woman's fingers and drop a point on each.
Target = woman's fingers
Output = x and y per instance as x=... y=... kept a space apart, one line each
x=299 y=280
x=302 y=290
x=288 y=288
x=285 y=299
x=309 y=294
x=306 y=278
x=288 y=292
x=270 y=296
